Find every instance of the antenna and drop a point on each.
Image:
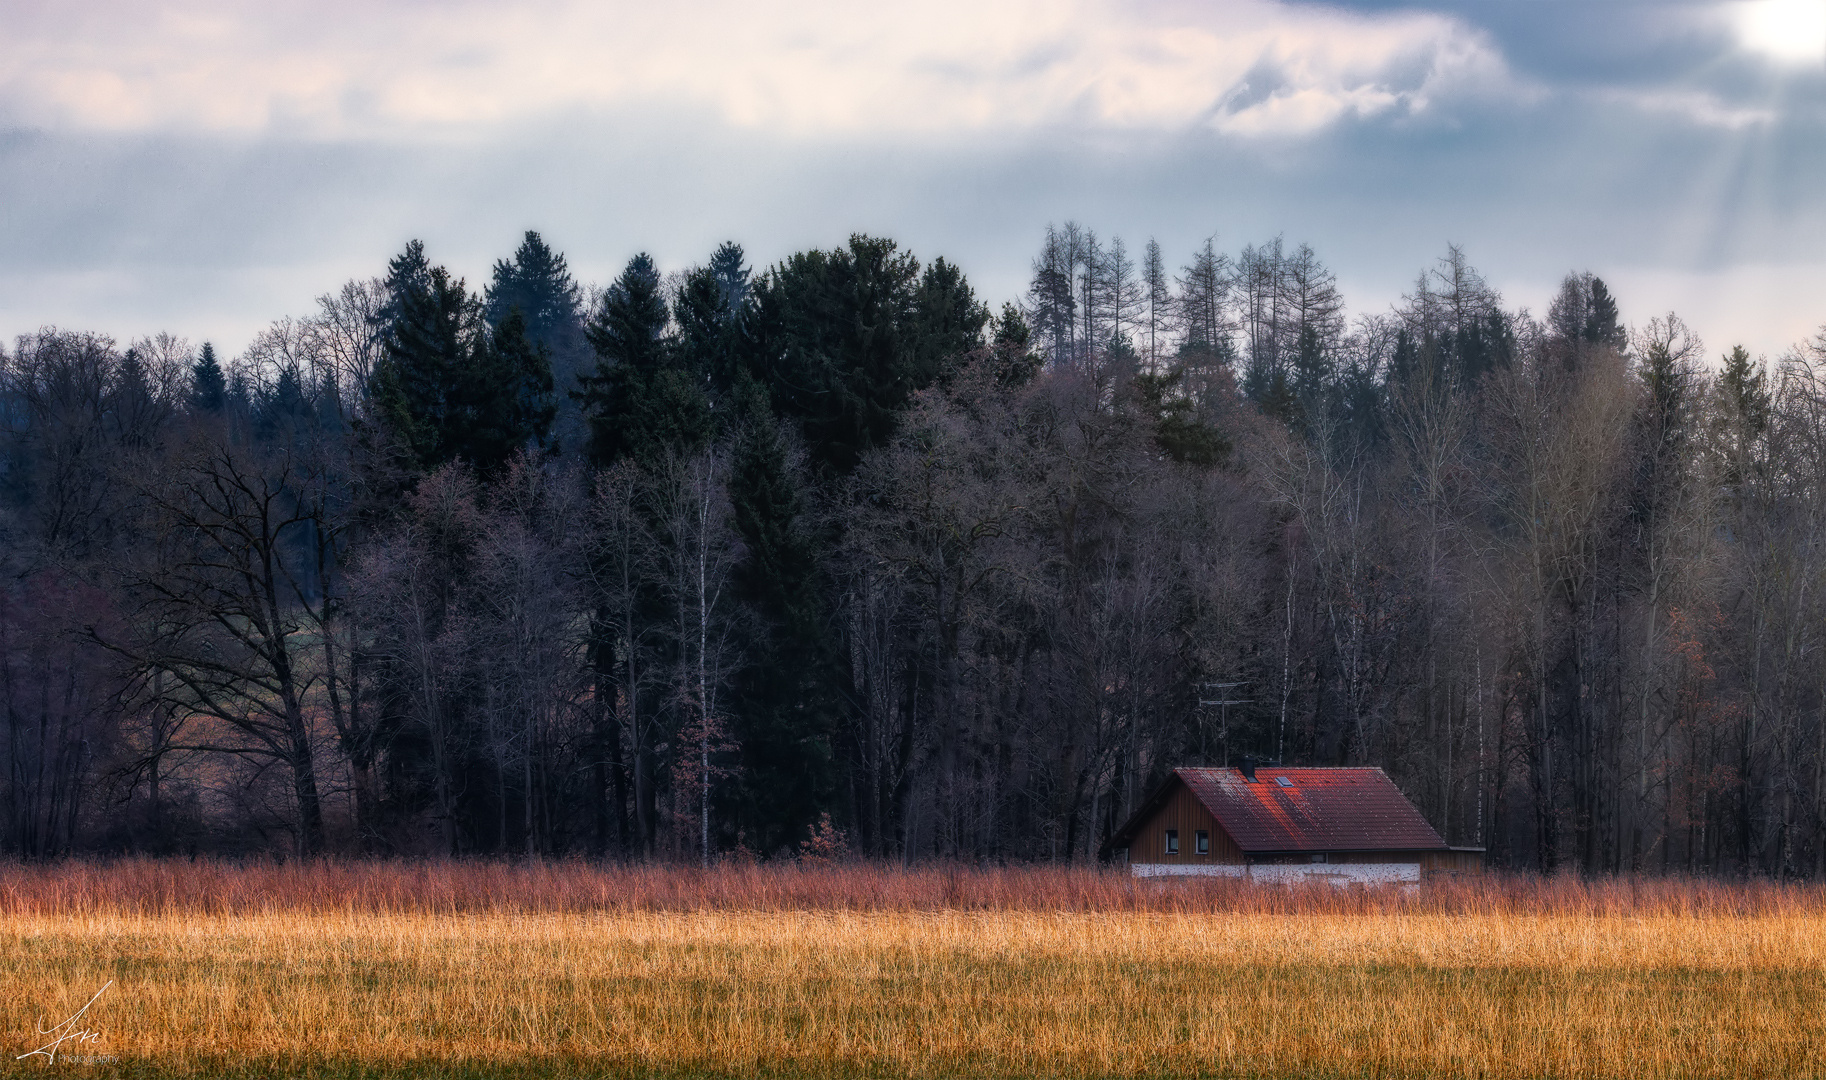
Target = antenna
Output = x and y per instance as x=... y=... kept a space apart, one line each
x=1219 y=696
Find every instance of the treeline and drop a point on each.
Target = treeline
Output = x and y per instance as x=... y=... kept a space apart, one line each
x=834 y=558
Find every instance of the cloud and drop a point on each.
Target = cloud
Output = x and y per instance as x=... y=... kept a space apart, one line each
x=335 y=68
x=1697 y=107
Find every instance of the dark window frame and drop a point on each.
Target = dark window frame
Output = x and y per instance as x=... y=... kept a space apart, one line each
x=1201 y=842
x=1172 y=842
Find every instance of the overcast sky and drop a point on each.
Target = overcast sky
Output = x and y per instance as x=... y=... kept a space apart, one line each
x=207 y=166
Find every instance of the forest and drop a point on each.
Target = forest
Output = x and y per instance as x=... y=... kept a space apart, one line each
x=833 y=559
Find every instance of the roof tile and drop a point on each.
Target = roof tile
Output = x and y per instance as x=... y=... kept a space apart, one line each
x=1323 y=810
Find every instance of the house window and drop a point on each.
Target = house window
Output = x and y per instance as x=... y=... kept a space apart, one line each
x=1172 y=841
x=1201 y=842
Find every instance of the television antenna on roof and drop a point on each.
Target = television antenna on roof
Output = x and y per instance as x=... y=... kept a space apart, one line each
x=1218 y=694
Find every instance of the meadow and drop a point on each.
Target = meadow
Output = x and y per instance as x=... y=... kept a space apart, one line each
x=535 y=969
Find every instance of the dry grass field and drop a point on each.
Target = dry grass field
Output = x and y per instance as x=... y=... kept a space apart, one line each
x=562 y=969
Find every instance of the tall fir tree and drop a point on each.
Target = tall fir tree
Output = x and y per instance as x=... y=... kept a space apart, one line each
x=785 y=703
x=449 y=385
x=1602 y=326
x=504 y=399
x=948 y=322
x=538 y=282
x=728 y=267
x=208 y=382
x=844 y=338
x=639 y=401
x=431 y=325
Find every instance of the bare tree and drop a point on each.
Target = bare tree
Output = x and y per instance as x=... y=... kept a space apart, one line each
x=217 y=607
x=696 y=551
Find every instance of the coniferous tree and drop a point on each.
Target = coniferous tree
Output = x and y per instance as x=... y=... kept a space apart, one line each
x=504 y=401
x=1051 y=299
x=285 y=407
x=948 y=322
x=841 y=341
x=1743 y=414
x=710 y=342
x=1204 y=300
x=431 y=325
x=786 y=700
x=1602 y=326
x=728 y=267
x=449 y=386
x=538 y=282
x=208 y=383
x=1011 y=343
x=640 y=401
x=1312 y=378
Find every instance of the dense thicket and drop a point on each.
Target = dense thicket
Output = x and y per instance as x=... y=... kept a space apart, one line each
x=832 y=557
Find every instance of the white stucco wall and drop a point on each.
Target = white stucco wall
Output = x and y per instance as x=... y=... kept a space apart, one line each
x=1335 y=873
x=1187 y=870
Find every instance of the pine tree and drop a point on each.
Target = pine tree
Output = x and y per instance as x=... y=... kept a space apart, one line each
x=841 y=342
x=504 y=399
x=709 y=342
x=1312 y=380
x=728 y=267
x=1051 y=299
x=639 y=401
x=1011 y=342
x=286 y=407
x=786 y=709
x=1601 y=323
x=948 y=322
x=431 y=328
x=1745 y=407
x=1159 y=302
x=1204 y=296
x=538 y=282
x=449 y=385
x=1178 y=429
x=208 y=383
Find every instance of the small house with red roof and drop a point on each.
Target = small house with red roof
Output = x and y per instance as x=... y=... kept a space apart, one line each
x=1270 y=823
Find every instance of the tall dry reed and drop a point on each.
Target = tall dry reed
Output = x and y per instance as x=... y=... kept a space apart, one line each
x=207 y=886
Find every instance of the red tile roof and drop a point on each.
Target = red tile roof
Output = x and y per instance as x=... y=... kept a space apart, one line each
x=1317 y=810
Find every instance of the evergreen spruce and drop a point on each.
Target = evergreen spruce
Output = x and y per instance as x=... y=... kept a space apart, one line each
x=431 y=327
x=504 y=400
x=208 y=382
x=786 y=706
x=639 y=401
x=1602 y=326
x=538 y=282
x=729 y=269
x=844 y=338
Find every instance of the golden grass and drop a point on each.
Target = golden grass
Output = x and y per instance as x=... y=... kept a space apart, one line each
x=1498 y=978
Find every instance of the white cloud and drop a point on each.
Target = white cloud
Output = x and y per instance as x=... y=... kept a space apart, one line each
x=813 y=67
x=1695 y=106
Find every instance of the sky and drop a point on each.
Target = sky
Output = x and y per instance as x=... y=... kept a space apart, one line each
x=205 y=167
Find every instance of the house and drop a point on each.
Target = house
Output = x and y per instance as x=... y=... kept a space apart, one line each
x=1270 y=823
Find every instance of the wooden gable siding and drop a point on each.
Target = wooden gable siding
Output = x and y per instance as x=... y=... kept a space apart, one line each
x=1184 y=812
x=1454 y=863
